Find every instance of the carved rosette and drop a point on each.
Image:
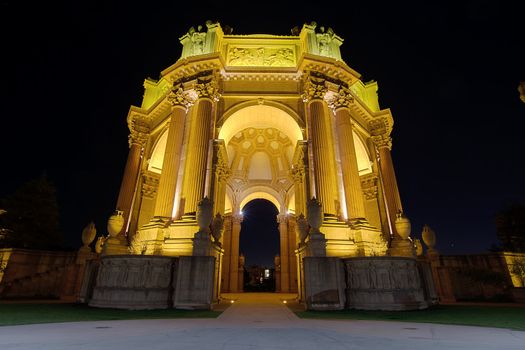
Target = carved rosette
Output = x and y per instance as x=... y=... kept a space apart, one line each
x=207 y=89
x=179 y=97
x=314 y=89
x=343 y=99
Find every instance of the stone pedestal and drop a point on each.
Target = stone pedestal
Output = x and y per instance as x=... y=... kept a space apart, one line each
x=316 y=245
x=202 y=245
x=384 y=283
x=402 y=247
x=134 y=282
x=324 y=283
x=194 y=283
x=115 y=246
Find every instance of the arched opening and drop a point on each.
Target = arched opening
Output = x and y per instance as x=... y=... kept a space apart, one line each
x=259 y=244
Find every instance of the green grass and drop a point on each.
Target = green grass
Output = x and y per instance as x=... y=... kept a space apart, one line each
x=16 y=314
x=490 y=316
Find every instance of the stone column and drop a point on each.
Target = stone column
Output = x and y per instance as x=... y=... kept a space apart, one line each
x=383 y=144
x=198 y=144
x=282 y=219
x=234 y=261
x=299 y=173
x=226 y=243
x=170 y=165
x=352 y=184
x=320 y=134
x=137 y=139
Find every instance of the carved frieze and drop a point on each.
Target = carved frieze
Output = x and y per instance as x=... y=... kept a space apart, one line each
x=261 y=56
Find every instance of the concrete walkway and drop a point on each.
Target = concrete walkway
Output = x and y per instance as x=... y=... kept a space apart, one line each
x=255 y=322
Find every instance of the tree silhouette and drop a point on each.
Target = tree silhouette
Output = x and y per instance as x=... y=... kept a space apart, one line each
x=510 y=227
x=31 y=219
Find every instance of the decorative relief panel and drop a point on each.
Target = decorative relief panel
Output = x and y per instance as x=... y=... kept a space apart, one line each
x=261 y=56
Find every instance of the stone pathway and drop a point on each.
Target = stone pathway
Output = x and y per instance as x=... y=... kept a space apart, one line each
x=255 y=322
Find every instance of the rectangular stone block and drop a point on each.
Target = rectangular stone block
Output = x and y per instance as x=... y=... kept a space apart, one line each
x=194 y=284
x=324 y=283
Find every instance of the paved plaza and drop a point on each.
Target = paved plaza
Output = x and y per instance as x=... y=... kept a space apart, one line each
x=255 y=321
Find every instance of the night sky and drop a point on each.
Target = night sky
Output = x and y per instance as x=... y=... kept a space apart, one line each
x=448 y=71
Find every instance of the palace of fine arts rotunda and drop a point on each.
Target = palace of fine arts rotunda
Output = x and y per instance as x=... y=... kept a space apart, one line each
x=243 y=117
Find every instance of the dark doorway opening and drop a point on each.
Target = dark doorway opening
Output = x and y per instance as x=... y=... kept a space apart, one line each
x=259 y=243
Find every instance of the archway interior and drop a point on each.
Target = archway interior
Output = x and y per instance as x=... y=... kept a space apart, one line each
x=259 y=243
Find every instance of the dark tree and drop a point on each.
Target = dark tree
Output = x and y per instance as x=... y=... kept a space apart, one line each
x=31 y=219
x=510 y=228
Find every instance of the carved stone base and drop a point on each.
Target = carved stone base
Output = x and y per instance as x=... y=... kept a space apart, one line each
x=384 y=283
x=194 y=286
x=202 y=245
x=134 y=282
x=324 y=283
x=370 y=241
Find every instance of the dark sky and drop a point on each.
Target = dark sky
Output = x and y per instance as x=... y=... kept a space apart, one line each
x=449 y=72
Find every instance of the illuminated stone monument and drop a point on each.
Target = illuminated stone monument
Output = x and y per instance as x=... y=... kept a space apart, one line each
x=283 y=118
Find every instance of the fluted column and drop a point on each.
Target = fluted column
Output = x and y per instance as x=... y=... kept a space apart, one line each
x=137 y=139
x=282 y=219
x=322 y=147
x=198 y=144
x=234 y=261
x=383 y=144
x=299 y=173
x=355 y=204
x=170 y=165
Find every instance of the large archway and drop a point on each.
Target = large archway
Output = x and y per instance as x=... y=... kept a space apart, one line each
x=259 y=245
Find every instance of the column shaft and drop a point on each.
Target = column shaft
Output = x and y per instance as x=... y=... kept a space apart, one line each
x=352 y=184
x=393 y=199
x=170 y=164
x=129 y=180
x=234 y=261
x=323 y=156
x=285 y=265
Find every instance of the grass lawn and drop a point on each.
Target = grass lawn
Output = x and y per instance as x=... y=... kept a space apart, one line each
x=16 y=314
x=489 y=316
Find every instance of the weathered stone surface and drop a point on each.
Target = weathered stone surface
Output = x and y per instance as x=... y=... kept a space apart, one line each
x=134 y=282
x=194 y=282
x=384 y=283
x=324 y=283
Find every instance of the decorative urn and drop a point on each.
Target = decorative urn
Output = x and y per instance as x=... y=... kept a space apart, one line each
x=419 y=247
x=429 y=237
x=115 y=223
x=403 y=226
x=302 y=228
x=204 y=214
x=315 y=215
x=88 y=234
x=217 y=227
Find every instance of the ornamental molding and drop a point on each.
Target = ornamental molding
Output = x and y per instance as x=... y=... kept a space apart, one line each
x=369 y=186
x=179 y=97
x=314 y=88
x=139 y=127
x=150 y=184
x=207 y=88
x=237 y=76
x=382 y=141
x=342 y=99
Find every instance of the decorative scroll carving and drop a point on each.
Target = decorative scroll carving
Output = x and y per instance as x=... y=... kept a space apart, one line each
x=314 y=89
x=279 y=56
x=139 y=130
x=179 y=97
x=369 y=186
x=343 y=99
x=382 y=141
x=207 y=88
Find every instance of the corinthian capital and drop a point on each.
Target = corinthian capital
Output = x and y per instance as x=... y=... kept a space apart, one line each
x=382 y=141
x=139 y=130
x=207 y=89
x=179 y=97
x=343 y=99
x=314 y=89
x=282 y=218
